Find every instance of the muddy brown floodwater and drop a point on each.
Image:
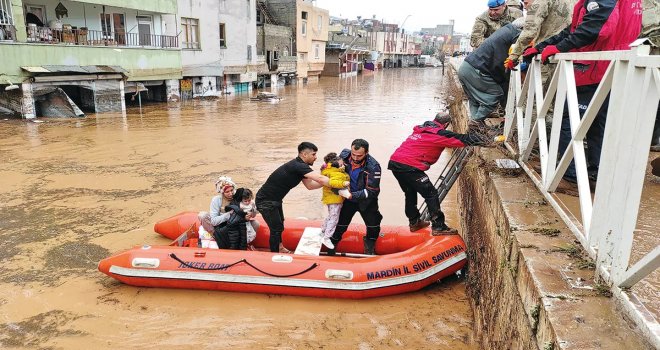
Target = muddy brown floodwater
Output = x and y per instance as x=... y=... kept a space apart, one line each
x=77 y=190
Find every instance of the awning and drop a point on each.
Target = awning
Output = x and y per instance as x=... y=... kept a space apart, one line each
x=157 y=6
x=74 y=69
x=131 y=88
x=235 y=70
x=259 y=68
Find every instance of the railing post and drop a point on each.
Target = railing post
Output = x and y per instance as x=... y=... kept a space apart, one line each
x=625 y=151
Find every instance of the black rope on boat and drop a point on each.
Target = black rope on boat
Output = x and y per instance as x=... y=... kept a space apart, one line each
x=314 y=265
x=173 y=256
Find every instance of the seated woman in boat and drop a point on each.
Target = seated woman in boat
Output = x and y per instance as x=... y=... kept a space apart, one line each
x=216 y=215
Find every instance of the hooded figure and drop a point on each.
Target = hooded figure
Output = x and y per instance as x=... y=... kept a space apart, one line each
x=232 y=234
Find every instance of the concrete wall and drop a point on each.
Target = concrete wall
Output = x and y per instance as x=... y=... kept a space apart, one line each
x=141 y=63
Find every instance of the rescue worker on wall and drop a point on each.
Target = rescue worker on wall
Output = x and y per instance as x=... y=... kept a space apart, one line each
x=414 y=156
x=497 y=16
x=596 y=25
x=362 y=196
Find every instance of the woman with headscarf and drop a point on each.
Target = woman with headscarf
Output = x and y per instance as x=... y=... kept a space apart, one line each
x=216 y=215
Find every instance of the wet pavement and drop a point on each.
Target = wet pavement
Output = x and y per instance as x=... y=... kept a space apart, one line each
x=74 y=191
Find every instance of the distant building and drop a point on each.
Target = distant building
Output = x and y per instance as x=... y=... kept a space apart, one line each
x=440 y=30
x=218 y=46
x=310 y=27
x=274 y=49
x=346 y=51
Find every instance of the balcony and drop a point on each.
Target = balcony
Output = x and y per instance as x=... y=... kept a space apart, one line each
x=86 y=37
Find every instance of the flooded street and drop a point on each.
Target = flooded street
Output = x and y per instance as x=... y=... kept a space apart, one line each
x=75 y=191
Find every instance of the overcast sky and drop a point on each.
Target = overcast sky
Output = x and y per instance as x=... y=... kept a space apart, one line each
x=423 y=13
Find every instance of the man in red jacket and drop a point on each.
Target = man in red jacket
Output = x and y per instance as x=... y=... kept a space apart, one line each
x=416 y=155
x=597 y=25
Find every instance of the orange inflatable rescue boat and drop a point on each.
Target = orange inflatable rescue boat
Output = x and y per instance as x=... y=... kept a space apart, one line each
x=406 y=261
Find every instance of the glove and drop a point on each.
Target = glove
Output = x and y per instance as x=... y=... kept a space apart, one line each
x=531 y=51
x=549 y=50
x=345 y=193
x=529 y=54
x=509 y=64
x=524 y=66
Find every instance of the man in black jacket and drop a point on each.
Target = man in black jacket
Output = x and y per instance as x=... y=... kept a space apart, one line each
x=482 y=74
x=364 y=172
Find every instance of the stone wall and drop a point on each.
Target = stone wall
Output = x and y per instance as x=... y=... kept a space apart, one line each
x=283 y=12
x=273 y=38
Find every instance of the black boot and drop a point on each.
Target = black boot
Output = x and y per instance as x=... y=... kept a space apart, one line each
x=369 y=246
x=335 y=242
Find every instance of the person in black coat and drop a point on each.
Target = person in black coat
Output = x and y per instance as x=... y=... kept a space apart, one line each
x=232 y=234
x=482 y=74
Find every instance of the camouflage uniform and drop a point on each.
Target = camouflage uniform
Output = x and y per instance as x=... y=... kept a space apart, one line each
x=484 y=26
x=516 y=4
x=651 y=22
x=545 y=18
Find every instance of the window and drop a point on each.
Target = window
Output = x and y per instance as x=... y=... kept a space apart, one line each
x=145 y=29
x=190 y=32
x=223 y=36
x=316 y=51
x=319 y=25
x=304 y=15
x=249 y=9
x=304 y=28
x=112 y=27
x=249 y=53
x=106 y=24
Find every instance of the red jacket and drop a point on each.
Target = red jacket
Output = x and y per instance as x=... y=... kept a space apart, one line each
x=423 y=148
x=598 y=25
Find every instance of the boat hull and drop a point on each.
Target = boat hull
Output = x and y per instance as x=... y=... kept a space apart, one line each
x=414 y=261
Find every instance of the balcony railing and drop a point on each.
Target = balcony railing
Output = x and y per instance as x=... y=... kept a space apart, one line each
x=86 y=37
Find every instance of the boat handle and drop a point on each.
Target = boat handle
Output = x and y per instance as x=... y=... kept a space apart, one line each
x=173 y=256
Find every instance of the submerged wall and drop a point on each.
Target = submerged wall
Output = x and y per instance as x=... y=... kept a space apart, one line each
x=529 y=284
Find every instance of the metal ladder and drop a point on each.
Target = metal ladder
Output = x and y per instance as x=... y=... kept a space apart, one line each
x=447 y=177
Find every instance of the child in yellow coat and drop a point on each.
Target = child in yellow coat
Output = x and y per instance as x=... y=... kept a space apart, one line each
x=333 y=168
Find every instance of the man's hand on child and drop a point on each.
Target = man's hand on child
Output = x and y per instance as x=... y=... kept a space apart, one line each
x=345 y=193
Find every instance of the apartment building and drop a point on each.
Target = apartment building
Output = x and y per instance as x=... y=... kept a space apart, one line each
x=310 y=27
x=63 y=58
x=218 y=46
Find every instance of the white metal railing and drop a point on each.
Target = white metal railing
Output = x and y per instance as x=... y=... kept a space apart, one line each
x=606 y=224
x=6 y=16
